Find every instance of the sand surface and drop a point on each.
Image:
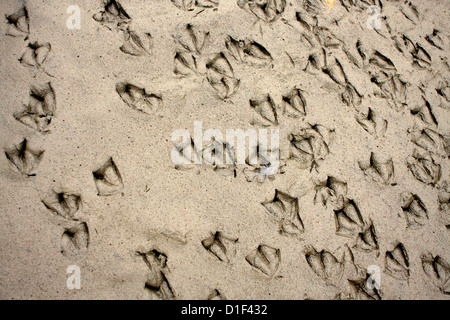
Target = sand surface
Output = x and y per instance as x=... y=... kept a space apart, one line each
x=87 y=178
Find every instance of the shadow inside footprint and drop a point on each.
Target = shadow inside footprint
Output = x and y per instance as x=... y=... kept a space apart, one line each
x=248 y=51
x=75 y=241
x=265 y=10
x=266 y=109
x=381 y=172
x=216 y=295
x=135 y=44
x=324 y=264
x=365 y=289
x=157 y=285
x=438 y=270
x=414 y=209
x=25 y=159
x=331 y=191
x=35 y=54
x=265 y=259
x=18 y=23
x=40 y=110
x=286 y=210
x=221 y=77
x=220 y=246
x=397 y=262
x=108 y=179
x=309 y=146
x=112 y=15
x=349 y=221
x=137 y=98
x=65 y=205
x=424 y=168
x=294 y=104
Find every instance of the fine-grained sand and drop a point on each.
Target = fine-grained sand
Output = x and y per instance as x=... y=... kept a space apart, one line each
x=359 y=91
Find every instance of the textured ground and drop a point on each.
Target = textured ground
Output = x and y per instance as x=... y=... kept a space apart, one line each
x=87 y=179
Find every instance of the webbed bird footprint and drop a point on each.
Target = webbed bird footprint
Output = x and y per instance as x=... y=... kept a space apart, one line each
x=431 y=141
x=18 y=23
x=112 y=15
x=414 y=210
x=365 y=288
x=248 y=51
x=371 y=122
x=187 y=153
x=397 y=262
x=324 y=264
x=410 y=11
x=216 y=153
x=66 y=205
x=220 y=246
x=352 y=57
x=75 y=241
x=35 y=54
x=336 y=72
x=221 y=156
x=348 y=219
x=135 y=44
x=424 y=113
x=367 y=240
x=331 y=191
x=219 y=153
x=265 y=259
x=444 y=204
x=265 y=10
x=326 y=38
x=306 y=21
x=108 y=179
x=438 y=270
x=379 y=171
x=220 y=76
x=331 y=269
x=138 y=98
x=390 y=87
x=381 y=61
x=266 y=109
x=404 y=44
x=316 y=61
x=24 y=158
x=194 y=40
x=435 y=39
x=264 y=162
x=443 y=90
x=314 y=7
x=185 y=64
x=40 y=109
x=420 y=57
x=424 y=168
x=157 y=284
x=285 y=209
x=351 y=96
x=294 y=103
x=310 y=145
